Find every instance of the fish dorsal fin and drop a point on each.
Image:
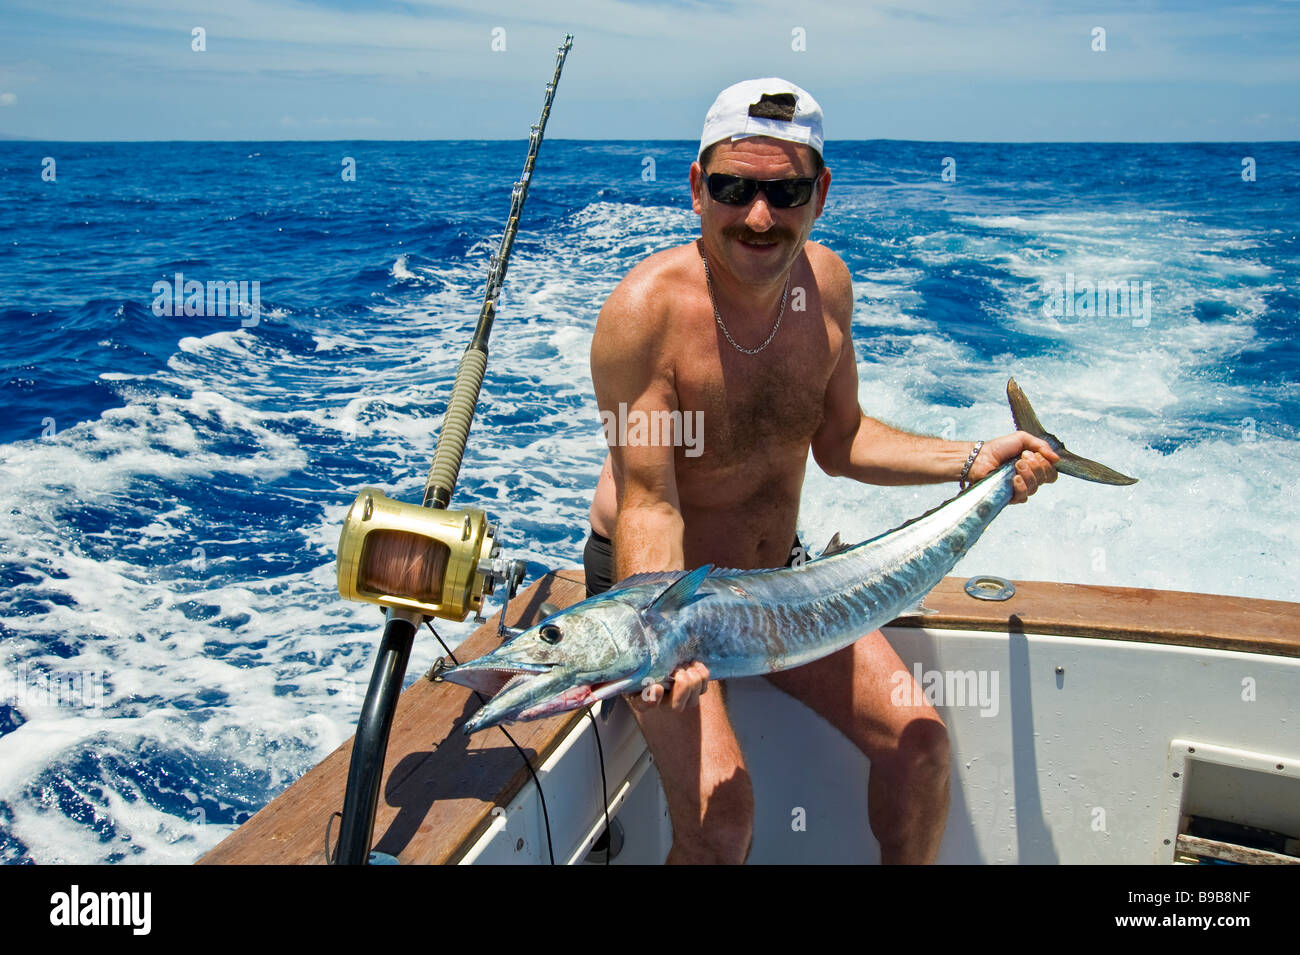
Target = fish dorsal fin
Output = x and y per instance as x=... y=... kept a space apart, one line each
x=681 y=593
x=650 y=577
x=834 y=546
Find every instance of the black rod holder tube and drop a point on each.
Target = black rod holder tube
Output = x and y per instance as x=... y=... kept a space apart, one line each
x=370 y=745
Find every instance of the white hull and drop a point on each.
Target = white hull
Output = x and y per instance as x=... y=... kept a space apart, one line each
x=1071 y=767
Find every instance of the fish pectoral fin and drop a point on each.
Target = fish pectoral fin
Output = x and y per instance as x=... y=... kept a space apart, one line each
x=682 y=593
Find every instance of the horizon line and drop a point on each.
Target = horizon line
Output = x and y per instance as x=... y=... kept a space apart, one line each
x=563 y=139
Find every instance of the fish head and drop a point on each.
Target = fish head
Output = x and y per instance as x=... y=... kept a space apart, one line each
x=565 y=661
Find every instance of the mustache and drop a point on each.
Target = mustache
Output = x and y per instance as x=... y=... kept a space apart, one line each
x=745 y=234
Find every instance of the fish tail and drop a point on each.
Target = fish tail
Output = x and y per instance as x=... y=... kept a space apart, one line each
x=1070 y=463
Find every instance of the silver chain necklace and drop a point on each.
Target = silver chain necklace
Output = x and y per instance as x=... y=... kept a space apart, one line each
x=708 y=280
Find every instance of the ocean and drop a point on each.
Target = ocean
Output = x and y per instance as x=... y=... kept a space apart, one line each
x=174 y=650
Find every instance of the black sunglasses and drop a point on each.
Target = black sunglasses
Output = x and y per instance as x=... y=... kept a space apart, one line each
x=780 y=193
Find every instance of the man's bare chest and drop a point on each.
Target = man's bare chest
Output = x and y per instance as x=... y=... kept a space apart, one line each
x=751 y=404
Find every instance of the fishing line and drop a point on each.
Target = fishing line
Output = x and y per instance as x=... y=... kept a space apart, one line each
x=331 y=857
x=546 y=816
x=604 y=787
x=600 y=753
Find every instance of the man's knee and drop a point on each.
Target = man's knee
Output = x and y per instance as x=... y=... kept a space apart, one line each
x=923 y=749
x=725 y=827
x=708 y=789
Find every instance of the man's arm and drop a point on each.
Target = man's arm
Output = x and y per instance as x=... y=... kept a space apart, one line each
x=850 y=444
x=629 y=369
x=631 y=375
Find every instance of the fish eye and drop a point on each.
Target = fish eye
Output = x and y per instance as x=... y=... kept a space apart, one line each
x=551 y=634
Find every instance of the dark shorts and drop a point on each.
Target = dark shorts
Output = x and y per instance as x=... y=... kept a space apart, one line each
x=598 y=562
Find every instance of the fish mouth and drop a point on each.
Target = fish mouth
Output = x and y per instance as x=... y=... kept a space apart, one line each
x=581 y=695
x=492 y=678
x=528 y=691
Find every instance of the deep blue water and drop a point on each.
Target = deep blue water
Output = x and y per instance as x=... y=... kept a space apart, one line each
x=174 y=484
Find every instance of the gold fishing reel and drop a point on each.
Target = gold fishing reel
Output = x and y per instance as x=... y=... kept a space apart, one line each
x=402 y=555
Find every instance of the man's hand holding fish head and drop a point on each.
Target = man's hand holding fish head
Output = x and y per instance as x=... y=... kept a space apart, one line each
x=689 y=683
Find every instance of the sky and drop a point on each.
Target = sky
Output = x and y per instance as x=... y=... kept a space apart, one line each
x=935 y=70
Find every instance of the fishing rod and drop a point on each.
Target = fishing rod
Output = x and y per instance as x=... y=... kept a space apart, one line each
x=420 y=561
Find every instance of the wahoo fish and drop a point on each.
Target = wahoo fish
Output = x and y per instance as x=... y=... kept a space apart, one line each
x=744 y=622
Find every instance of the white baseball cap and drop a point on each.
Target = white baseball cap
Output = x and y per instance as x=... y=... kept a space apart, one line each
x=768 y=107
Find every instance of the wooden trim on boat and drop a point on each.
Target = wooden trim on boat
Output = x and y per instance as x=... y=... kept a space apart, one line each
x=1194 y=847
x=1119 y=613
x=430 y=763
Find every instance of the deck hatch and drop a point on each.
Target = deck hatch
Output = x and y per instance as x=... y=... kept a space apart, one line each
x=1228 y=805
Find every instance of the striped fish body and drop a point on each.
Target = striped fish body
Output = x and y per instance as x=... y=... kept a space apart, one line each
x=744 y=623
x=754 y=622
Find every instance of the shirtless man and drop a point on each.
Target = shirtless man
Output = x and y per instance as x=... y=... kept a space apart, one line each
x=709 y=327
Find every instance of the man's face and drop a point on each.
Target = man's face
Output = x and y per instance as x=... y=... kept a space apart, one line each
x=757 y=243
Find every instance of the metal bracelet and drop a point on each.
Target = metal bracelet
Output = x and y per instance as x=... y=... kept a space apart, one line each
x=974 y=453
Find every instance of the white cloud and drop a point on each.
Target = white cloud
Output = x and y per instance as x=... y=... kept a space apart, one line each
x=8 y=99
